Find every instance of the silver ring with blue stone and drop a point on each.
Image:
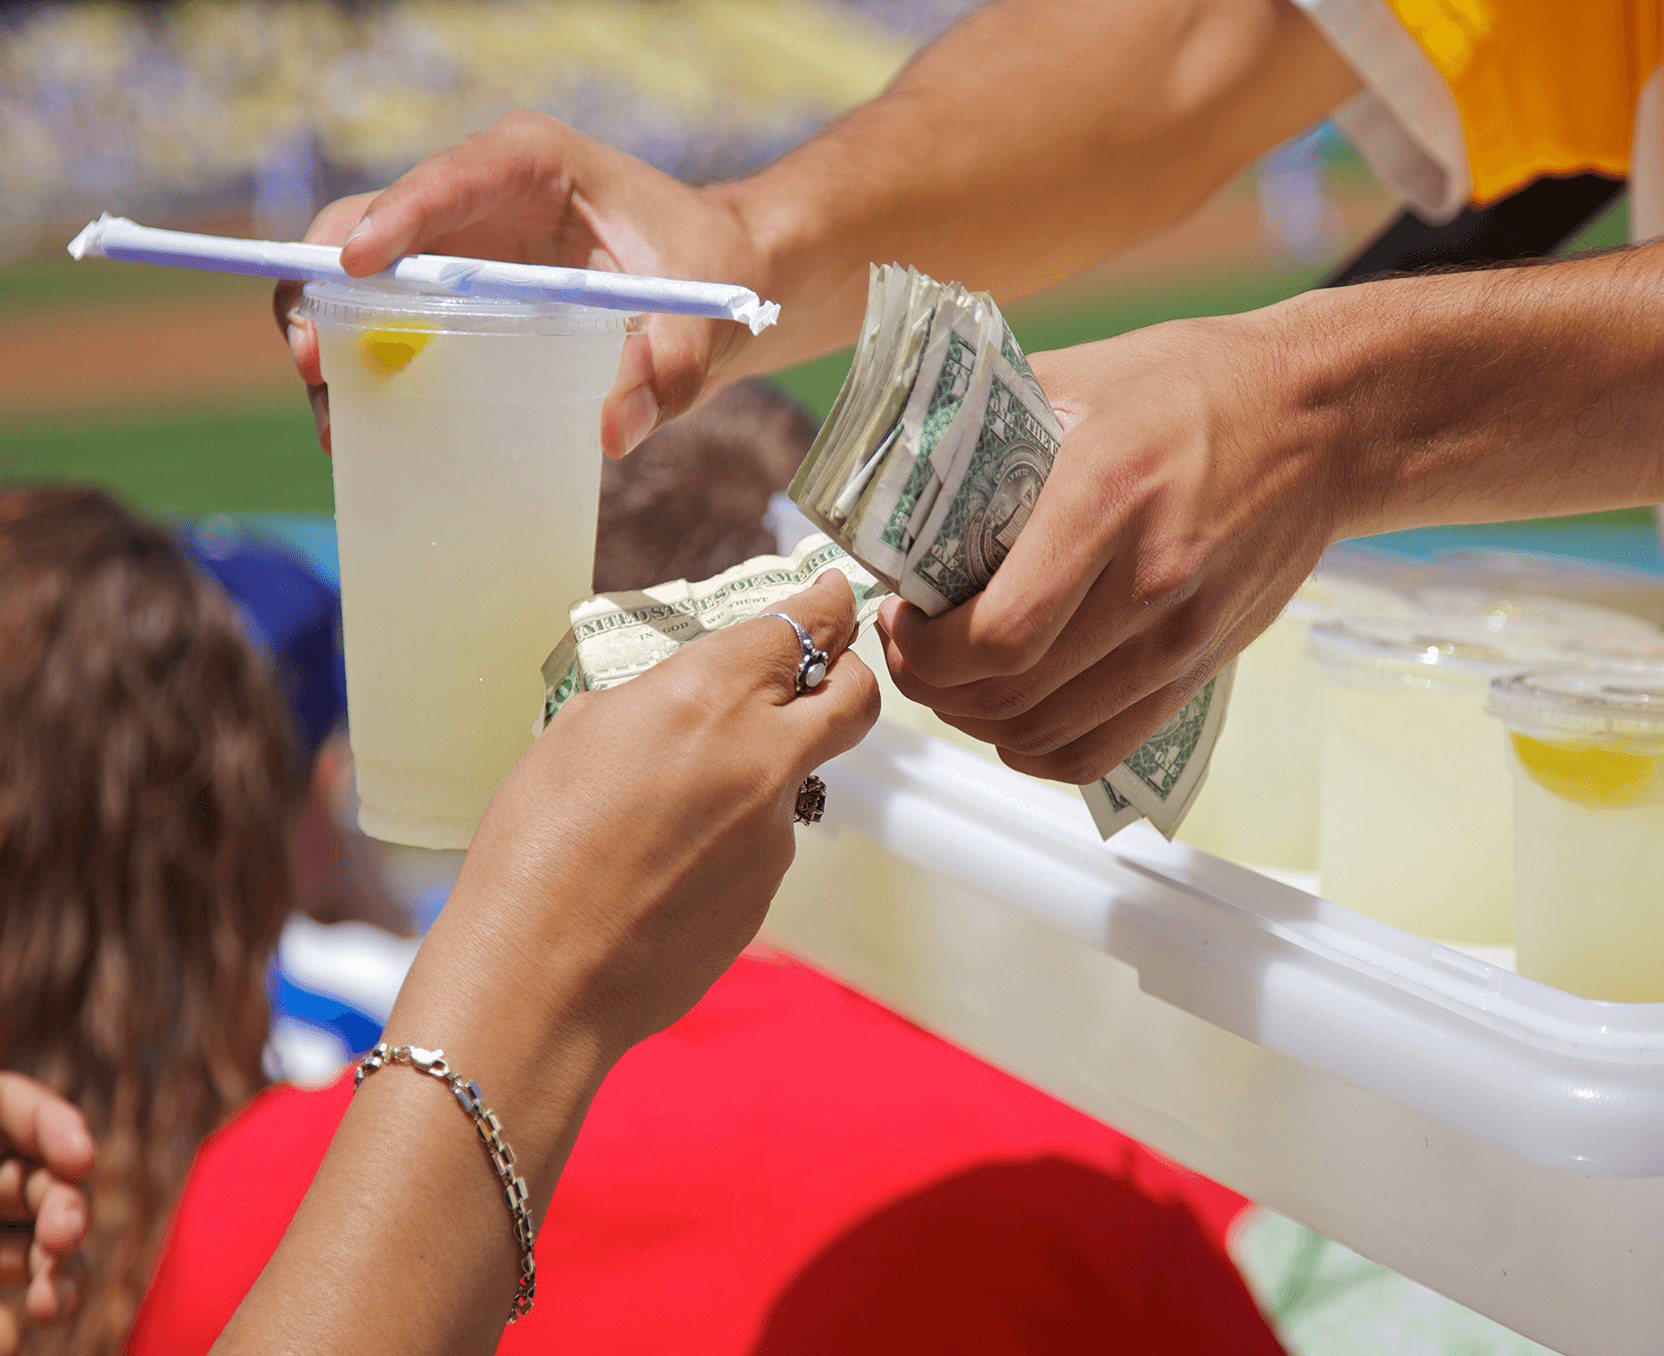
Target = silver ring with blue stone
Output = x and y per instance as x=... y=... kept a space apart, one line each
x=811 y=664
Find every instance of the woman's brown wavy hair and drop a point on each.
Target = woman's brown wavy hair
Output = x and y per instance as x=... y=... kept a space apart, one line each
x=146 y=791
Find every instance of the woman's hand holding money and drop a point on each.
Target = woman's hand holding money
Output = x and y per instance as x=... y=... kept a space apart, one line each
x=619 y=870
x=650 y=825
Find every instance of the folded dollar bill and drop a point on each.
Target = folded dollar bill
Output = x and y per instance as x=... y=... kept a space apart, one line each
x=618 y=636
x=1161 y=779
x=937 y=445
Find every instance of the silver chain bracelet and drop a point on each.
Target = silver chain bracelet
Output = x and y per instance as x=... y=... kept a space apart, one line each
x=467 y=1094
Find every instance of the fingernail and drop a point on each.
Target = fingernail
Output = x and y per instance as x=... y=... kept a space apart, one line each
x=294 y=337
x=638 y=412
x=74 y=1220
x=319 y=396
x=72 y=1134
x=358 y=230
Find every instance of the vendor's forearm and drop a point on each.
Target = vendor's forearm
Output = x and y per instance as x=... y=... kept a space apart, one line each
x=1033 y=139
x=1485 y=396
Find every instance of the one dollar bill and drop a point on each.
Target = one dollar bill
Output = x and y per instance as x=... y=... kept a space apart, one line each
x=1164 y=775
x=615 y=637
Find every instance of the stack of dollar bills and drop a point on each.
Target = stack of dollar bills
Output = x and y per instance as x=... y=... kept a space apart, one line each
x=937 y=445
x=925 y=471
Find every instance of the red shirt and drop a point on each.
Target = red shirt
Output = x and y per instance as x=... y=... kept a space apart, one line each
x=789 y=1169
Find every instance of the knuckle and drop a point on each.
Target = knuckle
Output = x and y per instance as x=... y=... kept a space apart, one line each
x=1031 y=736
x=1074 y=765
x=1191 y=628
x=1169 y=578
x=680 y=363
x=1189 y=634
x=999 y=701
x=825 y=609
x=1011 y=642
x=868 y=695
x=578 y=701
x=521 y=120
x=859 y=693
x=687 y=698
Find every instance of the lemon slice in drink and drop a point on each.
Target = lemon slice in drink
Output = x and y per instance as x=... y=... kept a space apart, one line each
x=1604 y=778
x=389 y=349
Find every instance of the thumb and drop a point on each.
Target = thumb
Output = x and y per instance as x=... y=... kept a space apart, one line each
x=660 y=376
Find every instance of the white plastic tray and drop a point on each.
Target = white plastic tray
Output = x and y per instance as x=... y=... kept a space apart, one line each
x=1499 y=1141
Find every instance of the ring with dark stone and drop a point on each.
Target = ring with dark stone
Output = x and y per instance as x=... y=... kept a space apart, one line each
x=811 y=800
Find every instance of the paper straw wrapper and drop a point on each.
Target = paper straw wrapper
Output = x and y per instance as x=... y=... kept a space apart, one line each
x=118 y=238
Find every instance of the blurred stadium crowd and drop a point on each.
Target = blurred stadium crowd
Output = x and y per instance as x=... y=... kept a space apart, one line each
x=281 y=105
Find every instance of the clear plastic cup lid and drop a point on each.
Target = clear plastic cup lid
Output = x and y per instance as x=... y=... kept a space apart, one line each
x=1432 y=650
x=372 y=304
x=1615 y=703
x=1536 y=572
x=1501 y=607
x=1327 y=595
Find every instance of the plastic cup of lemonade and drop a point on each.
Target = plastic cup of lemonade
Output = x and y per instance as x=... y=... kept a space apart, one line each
x=1261 y=799
x=467 y=459
x=1416 y=825
x=1586 y=754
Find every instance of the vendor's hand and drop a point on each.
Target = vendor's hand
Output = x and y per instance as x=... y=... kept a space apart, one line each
x=1188 y=502
x=44 y=1150
x=649 y=827
x=531 y=190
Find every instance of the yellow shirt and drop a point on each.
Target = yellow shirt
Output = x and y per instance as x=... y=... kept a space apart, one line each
x=1542 y=86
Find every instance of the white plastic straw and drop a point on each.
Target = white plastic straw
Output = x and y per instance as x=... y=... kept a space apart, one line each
x=118 y=238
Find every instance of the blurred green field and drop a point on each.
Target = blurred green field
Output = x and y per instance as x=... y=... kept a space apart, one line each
x=51 y=280
x=184 y=463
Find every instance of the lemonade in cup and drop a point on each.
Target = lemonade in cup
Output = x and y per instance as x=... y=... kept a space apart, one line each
x=467 y=461
x=1260 y=803
x=1416 y=825
x=1586 y=754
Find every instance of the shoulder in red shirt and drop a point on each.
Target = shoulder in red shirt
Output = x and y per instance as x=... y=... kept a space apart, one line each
x=789 y=1169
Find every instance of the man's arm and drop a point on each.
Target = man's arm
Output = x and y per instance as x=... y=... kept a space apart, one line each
x=1206 y=464
x=1498 y=394
x=1032 y=140
x=1029 y=141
